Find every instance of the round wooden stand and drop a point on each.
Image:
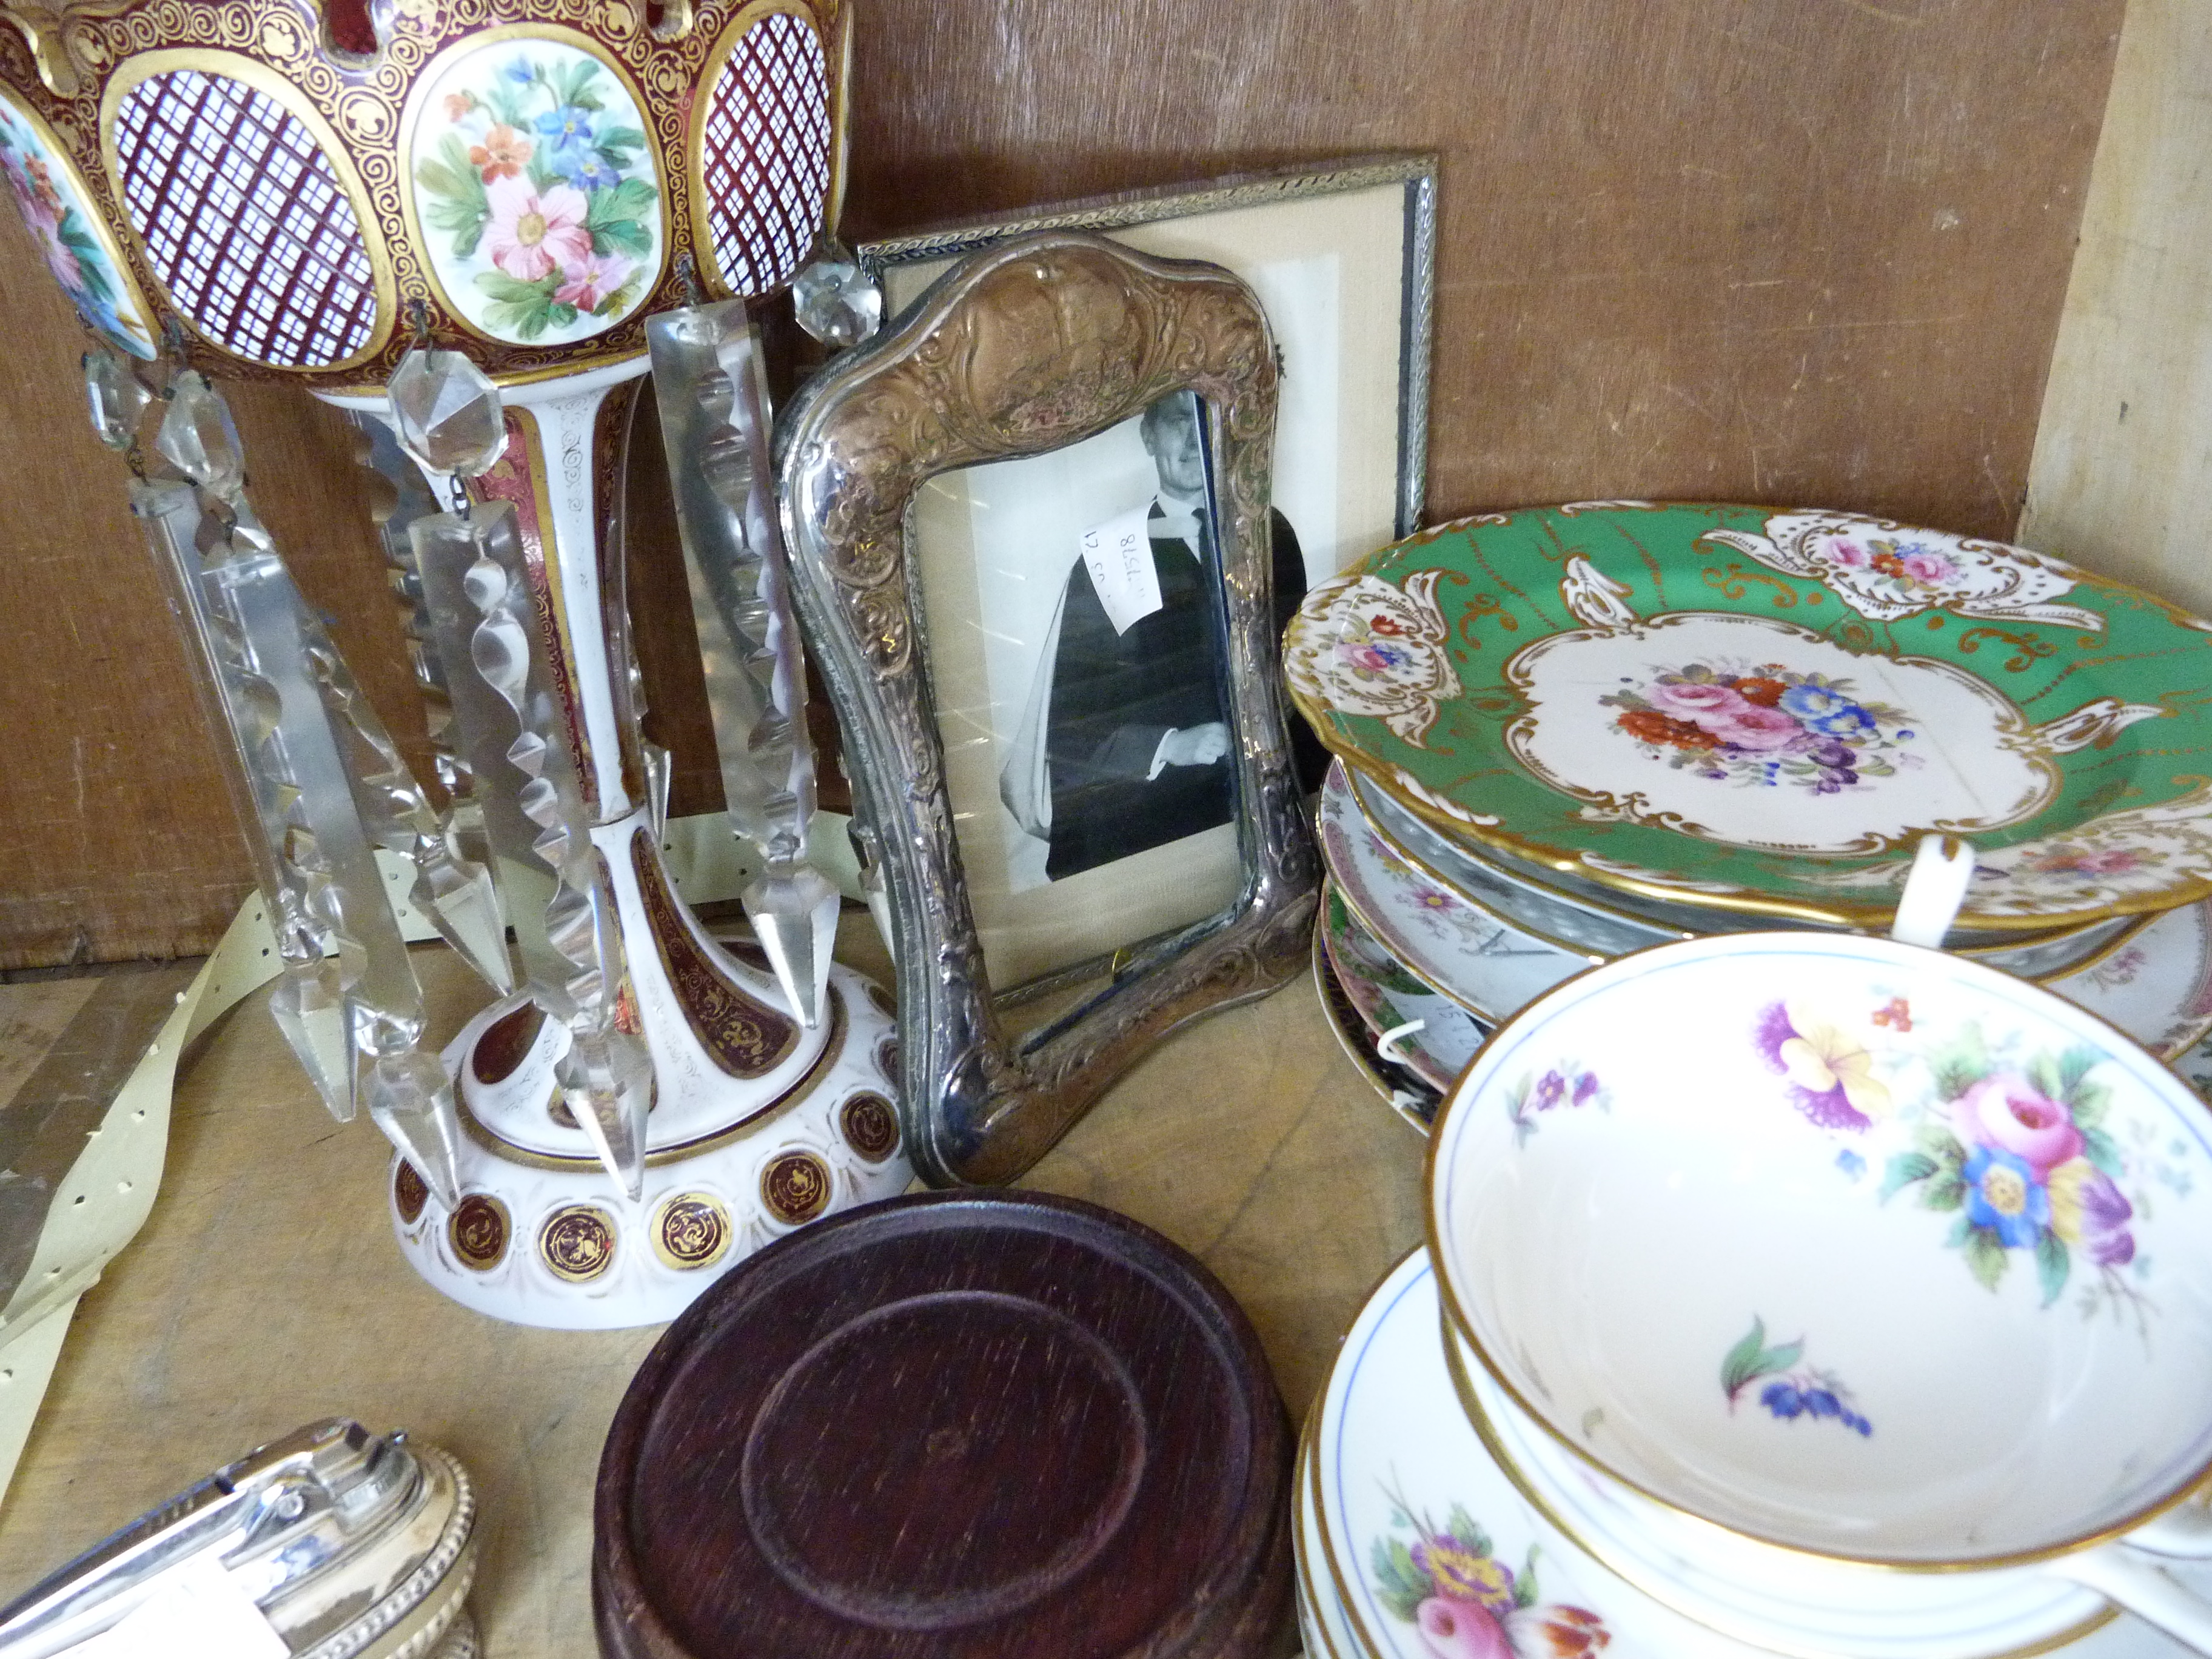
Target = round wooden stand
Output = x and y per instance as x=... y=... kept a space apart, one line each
x=951 y=1425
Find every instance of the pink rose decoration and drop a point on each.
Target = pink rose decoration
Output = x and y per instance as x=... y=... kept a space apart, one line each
x=1753 y=727
x=2006 y=1112
x=531 y=236
x=1452 y=1629
x=1848 y=556
x=1698 y=701
x=1929 y=567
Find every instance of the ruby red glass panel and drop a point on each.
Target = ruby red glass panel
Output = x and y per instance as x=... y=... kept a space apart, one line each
x=767 y=154
x=244 y=220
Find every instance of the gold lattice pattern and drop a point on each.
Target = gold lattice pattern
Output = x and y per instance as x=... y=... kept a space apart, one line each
x=244 y=220
x=767 y=154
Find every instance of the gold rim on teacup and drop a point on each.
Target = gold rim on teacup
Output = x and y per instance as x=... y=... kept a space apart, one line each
x=2199 y=1480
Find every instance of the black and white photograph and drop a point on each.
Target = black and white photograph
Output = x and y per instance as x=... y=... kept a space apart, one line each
x=1071 y=598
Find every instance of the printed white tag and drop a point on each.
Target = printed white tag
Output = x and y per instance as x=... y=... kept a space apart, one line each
x=1119 y=555
x=200 y=1612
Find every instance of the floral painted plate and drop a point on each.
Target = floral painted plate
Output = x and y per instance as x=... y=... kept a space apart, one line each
x=1488 y=965
x=1387 y=995
x=1591 y=915
x=1429 y=1550
x=1566 y=925
x=1401 y=1090
x=1736 y=708
x=2157 y=986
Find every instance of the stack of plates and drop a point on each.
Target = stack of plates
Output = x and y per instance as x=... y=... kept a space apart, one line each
x=1568 y=734
x=1416 y=1541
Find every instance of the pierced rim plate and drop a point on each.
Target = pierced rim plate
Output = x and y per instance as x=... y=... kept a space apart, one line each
x=1734 y=708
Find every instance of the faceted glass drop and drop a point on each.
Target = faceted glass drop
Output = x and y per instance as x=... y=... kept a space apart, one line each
x=310 y=1011
x=793 y=911
x=198 y=437
x=448 y=415
x=115 y=397
x=837 y=303
x=412 y=1099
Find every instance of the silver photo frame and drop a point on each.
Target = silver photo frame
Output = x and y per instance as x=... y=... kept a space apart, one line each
x=1342 y=254
x=1023 y=352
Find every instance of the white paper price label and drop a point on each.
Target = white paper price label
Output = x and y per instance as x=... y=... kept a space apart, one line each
x=1119 y=556
x=198 y=1613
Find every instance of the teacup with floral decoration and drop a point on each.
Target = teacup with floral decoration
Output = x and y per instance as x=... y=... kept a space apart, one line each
x=1872 y=1253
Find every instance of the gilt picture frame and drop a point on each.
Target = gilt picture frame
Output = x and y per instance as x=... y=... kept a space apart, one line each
x=1027 y=351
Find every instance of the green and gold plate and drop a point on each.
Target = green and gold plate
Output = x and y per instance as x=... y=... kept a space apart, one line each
x=1742 y=709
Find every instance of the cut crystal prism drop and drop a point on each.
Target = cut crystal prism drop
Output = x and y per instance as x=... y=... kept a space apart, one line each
x=835 y=301
x=115 y=395
x=447 y=413
x=606 y=1082
x=310 y=1011
x=198 y=437
x=794 y=912
x=411 y=1100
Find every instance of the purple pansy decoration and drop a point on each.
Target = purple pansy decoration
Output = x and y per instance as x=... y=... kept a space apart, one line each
x=1830 y=1073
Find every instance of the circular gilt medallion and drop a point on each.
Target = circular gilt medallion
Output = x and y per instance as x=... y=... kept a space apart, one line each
x=532 y=187
x=577 y=1243
x=477 y=1229
x=871 y=1126
x=691 y=1231
x=795 y=1187
x=887 y=1060
x=71 y=236
x=409 y=1193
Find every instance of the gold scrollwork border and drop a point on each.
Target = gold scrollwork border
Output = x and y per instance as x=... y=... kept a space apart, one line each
x=296 y=103
x=410 y=115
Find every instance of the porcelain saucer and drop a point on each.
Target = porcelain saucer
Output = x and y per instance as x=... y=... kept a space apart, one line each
x=1404 y=1512
x=1390 y=996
